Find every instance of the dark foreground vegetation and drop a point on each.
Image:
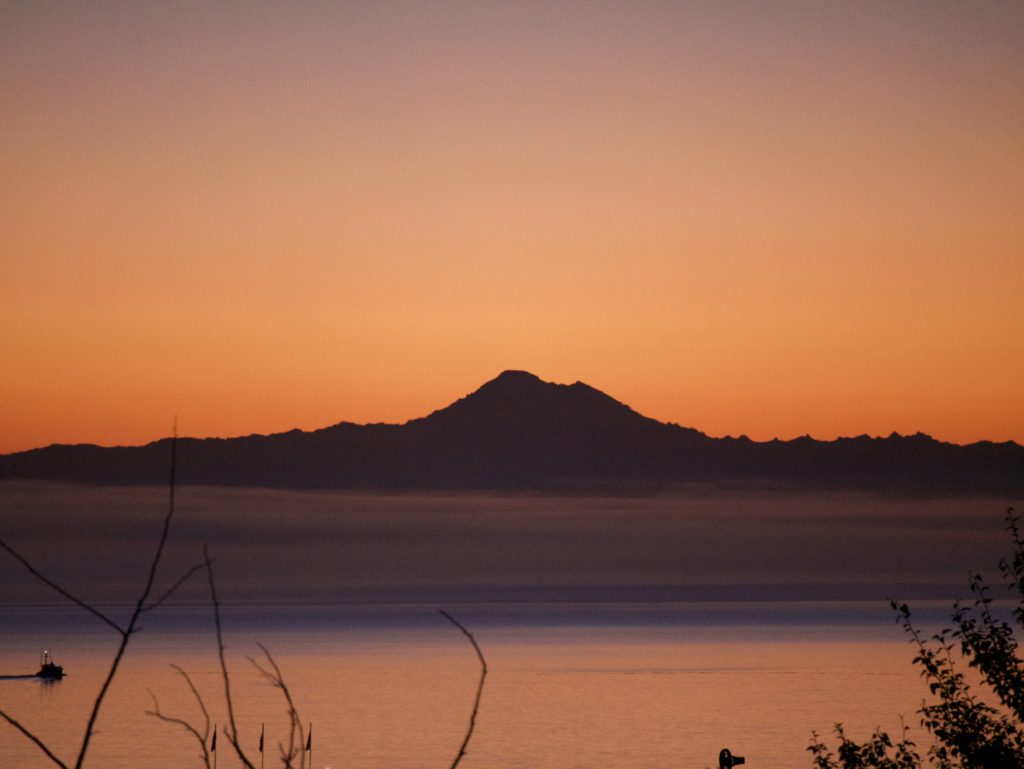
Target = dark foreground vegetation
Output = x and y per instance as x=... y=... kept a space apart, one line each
x=970 y=729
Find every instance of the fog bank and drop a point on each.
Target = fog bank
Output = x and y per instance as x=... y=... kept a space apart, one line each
x=300 y=547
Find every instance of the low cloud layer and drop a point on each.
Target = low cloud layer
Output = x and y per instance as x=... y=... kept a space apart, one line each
x=281 y=546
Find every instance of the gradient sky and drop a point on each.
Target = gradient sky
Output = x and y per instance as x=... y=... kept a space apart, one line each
x=760 y=218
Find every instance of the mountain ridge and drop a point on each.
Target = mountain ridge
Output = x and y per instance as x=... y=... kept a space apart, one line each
x=517 y=431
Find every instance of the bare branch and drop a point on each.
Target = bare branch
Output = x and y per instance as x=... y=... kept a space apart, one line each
x=232 y=732
x=39 y=743
x=125 y=632
x=276 y=678
x=479 y=689
x=199 y=699
x=57 y=588
x=139 y=604
x=200 y=738
x=181 y=581
x=144 y=597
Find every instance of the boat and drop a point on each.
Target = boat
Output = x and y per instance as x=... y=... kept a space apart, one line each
x=48 y=669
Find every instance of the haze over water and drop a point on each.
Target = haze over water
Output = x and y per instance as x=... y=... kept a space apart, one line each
x=620 y=632
x=340 y=547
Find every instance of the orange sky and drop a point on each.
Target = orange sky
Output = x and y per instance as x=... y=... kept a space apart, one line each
x=770 y=219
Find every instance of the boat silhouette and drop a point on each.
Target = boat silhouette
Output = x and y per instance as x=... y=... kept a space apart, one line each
x=48 y=669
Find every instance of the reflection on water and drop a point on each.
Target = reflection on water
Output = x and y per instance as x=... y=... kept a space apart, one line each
x=395 y=690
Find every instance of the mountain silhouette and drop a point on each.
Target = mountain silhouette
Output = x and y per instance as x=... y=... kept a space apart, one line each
x=519 y=432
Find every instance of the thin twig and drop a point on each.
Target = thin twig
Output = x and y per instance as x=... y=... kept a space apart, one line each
x=139 y=604
x=156 y=713
x=39 y=743
x=199 y=699
x=200 y=738
x=479 y=689
x=276 y=678
x=232 y=732
x=181 y=581
x=57 y=588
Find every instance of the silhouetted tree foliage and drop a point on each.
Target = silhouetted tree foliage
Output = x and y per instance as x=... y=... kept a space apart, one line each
x=971 y=730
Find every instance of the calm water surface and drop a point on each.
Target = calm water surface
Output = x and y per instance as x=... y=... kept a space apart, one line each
x=602 y=688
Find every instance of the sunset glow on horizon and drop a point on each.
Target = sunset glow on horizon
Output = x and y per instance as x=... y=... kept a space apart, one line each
x=759 y=219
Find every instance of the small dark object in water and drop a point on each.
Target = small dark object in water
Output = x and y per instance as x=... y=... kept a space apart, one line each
x=726 y=760
x=49 y=669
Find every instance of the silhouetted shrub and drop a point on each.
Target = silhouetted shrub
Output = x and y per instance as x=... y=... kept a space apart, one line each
x=970 y=730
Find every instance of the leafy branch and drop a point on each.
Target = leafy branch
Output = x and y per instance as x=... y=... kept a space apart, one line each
x=969 y=732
